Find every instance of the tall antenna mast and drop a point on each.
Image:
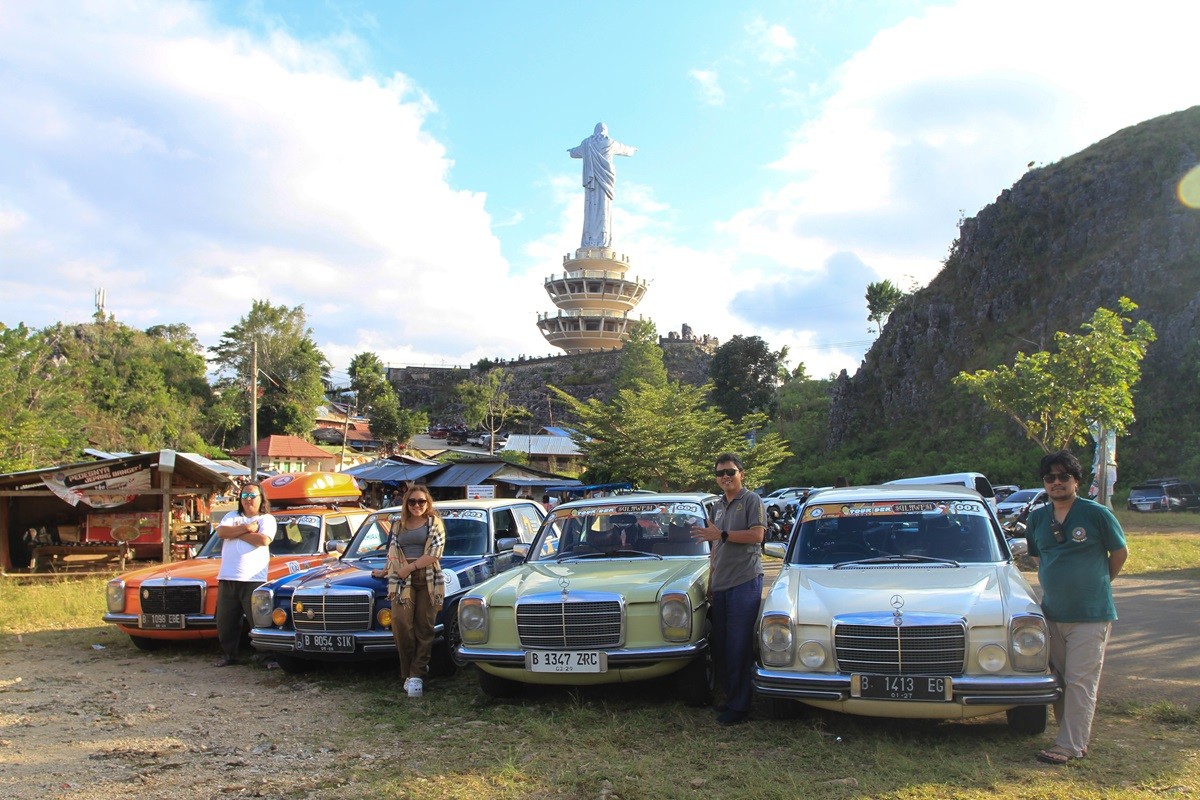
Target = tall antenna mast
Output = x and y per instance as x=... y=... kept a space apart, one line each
x=100 y=297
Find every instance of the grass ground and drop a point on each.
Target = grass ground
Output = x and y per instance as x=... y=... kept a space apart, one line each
x=636 y=741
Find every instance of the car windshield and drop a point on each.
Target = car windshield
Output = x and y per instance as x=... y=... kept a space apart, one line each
x=1023 y=496
x=466 y=533
x=622 y=529
x=295 y=534
x=955 y=531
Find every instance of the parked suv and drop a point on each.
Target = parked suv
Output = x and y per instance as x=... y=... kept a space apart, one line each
x=1164 y=494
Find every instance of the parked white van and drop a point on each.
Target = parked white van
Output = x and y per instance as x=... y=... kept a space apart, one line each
x=972 y=480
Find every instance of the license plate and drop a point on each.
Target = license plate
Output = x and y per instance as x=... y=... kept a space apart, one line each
x=325 y=642
x=161 y=620
x=902 y=687
x=566 y=661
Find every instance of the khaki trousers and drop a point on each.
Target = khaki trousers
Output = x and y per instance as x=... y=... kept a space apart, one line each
x=1077 y=655
x=412 y=627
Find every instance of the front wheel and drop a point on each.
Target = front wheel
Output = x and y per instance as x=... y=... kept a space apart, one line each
x=698 y=680
x=1028 y=720
x=446 y=660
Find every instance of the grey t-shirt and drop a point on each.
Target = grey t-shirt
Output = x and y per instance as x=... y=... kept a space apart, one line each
x=412 y=542
x=733 y=564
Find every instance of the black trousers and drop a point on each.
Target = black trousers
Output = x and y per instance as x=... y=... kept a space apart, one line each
x=233 y=610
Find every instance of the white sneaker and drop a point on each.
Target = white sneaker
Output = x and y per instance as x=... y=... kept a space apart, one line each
x=415 y=687
x=407 y=684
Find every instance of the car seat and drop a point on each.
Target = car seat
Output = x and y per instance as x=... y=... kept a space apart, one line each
x=941 y=537
x=679 y=542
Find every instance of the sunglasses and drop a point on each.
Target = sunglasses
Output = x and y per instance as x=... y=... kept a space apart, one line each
x=1056 y=477
x=726 y=473
x=417 y=501
x=248 y=495
x=1056 y=529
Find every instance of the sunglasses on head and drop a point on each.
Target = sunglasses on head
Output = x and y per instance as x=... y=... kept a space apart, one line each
x=1056 y=477
x=248 y=495
x=726 y=473
x=417 y=501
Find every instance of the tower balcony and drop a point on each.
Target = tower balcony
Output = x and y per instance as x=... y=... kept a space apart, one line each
x=599 y=289
x=585 y=330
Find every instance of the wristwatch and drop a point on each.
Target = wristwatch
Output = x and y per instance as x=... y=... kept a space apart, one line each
x=724 y=536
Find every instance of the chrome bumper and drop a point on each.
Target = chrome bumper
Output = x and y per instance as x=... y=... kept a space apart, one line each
x=365 y=642
x=969 y=690
x=190 y=621
x=616 y=657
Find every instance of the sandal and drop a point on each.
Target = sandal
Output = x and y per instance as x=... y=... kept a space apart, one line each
x=1056 y=755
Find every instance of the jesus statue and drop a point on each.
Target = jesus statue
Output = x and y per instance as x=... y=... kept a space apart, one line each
x=599 y=179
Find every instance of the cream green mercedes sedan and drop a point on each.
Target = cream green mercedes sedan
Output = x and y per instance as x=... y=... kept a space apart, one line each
x=903 y=601
x=613 y=590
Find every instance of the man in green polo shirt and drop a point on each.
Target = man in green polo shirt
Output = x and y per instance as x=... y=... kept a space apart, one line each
x=1079 y=548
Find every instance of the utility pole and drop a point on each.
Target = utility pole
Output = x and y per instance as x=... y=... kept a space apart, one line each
x=254 y=410
x=346 y=433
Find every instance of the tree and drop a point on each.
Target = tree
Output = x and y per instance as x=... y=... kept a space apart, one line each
x=665 y=438
x=641 y=357
x=486 y=403
x=745 y=374
x=292 y=371
x=39 y=402
x=882 y=297
x=368 y=380
x=392 y=425
x=1054 y=396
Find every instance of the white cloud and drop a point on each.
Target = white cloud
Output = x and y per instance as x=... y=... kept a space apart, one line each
x=772 y=42
x=189 y=170
x=709 y=86
x=939 y=114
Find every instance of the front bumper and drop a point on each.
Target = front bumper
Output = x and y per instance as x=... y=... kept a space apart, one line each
x=130 y=622
x=366 y=644
x=968 y=690
x=617 y=657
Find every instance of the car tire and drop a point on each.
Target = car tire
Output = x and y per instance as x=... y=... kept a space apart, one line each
x=698 y=680
x=496 y=687
x=144 y=643
x=446 y=661
x=292 y=665
x=1028 y=720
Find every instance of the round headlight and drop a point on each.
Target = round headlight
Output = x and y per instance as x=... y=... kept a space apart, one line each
x=812 y=654
x=114 y=594
x=471 y=616
x=384 y=617
x=279 y=617
x=776 y=636
x=1029 y=640
x=992 y=658
x=675 y=613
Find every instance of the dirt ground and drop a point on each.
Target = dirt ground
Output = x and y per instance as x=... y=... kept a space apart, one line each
x=80 y=719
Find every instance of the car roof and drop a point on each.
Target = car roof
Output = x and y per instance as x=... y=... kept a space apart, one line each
x=639 y=499
x=483 y=502
x=893 y=491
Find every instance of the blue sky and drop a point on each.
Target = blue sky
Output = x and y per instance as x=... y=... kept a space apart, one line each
x=400 y=168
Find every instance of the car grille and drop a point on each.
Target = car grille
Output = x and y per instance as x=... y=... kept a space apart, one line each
x=581 y=625
x=323 y=612
x=176 y=597
x=904 y=650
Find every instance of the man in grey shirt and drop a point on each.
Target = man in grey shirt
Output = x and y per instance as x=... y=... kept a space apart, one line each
x=735 y=584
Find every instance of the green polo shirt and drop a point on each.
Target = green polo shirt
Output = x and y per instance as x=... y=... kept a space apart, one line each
x=1074 y=574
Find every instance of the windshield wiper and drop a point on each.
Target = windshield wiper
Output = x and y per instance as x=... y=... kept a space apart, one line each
x=598 y=554
x=903 y=559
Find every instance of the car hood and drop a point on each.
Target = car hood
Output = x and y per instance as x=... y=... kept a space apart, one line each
x=638 y=580
x=206 y=569
x=981 y=593
x=357 y=573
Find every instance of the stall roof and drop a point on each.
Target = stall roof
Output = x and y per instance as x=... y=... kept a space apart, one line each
x=187 y=472
x=391 y=471
x=467 y=473
x=560 y=483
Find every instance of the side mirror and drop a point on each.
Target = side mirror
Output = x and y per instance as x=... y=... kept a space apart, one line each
x=507 y=543
x=520 y=551
x=1018 y=547
x=335 y=546
x=775 y=549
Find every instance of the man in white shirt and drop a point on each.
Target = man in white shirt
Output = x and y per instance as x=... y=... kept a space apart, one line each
x=245 y=534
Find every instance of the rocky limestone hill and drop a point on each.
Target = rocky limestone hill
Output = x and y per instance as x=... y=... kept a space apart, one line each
x=1065 y=239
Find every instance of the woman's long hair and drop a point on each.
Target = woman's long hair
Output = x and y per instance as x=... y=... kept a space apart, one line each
x=264 y=502
x=419 y=490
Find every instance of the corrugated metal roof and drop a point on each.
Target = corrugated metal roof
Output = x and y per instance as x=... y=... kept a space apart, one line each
x=385 y=470
x=559 y=482
x=467 y=474
x=542 y=445
x=550 y=430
